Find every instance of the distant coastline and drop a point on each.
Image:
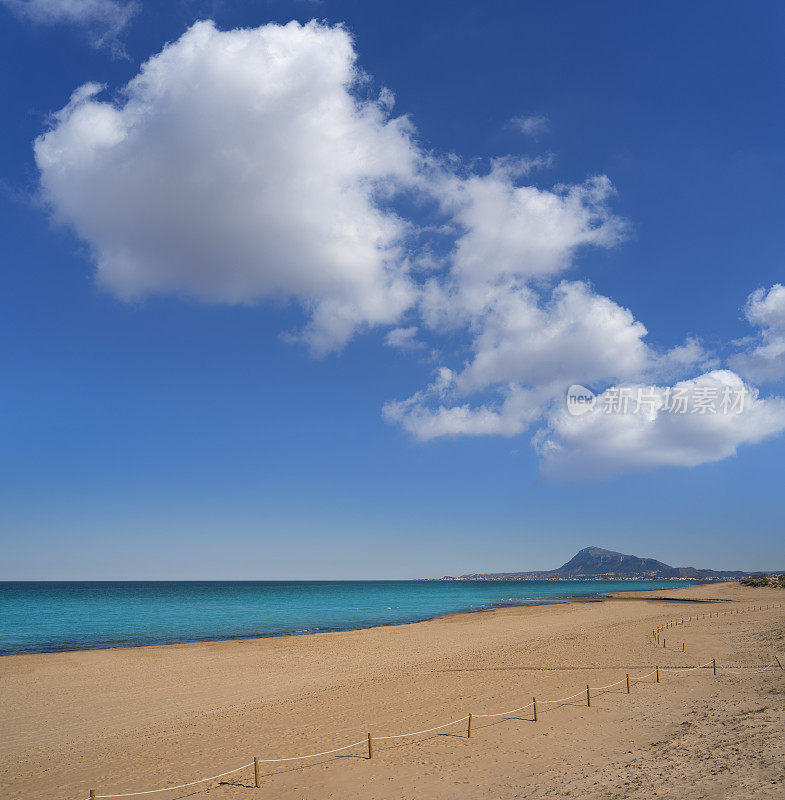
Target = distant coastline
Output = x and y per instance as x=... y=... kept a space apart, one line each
x=492 y=577
x=596 y=563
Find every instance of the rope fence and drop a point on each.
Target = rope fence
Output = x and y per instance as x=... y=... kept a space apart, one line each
x=674 y=623
x=628 y=679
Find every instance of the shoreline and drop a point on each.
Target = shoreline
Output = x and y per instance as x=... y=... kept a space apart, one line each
x=597 y=597
x=589 y=597
x=297 y=635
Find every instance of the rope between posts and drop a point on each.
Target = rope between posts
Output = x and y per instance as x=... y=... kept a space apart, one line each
x=181 y=786
x=600 y=688
x=563 y=699
x=398 y=735
x=504 y=713
x=427 y=730
x=647 y=675
x=310 y=755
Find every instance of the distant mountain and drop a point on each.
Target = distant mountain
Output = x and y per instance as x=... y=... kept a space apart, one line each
x=594 y=562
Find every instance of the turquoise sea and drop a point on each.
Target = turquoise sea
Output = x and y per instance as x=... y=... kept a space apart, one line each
x=48 y=616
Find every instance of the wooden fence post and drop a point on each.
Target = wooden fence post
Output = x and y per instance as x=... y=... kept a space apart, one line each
x=714 y=665
x=534 y=700
x=469 y=729
x=256 y=771
x=92 y=794
x=658 y=674
x=588 y=696
x=682 y=647
x=779 y=662
x=628 y=683
x=370 y=746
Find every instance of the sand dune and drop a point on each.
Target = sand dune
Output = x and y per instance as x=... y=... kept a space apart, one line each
x=136 y=719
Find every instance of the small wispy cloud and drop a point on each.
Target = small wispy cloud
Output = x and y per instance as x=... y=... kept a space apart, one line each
x=404 y=339
x=532 y=125
x=103 y=20
x=762 y=357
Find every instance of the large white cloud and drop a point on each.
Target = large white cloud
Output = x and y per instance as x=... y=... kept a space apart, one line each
x=103 y=19
x=239 y=166
x=660 y=432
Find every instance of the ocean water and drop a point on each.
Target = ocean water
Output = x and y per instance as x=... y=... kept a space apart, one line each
x=50 y=616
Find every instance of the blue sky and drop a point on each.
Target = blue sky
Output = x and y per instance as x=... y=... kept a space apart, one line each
x=204 y=383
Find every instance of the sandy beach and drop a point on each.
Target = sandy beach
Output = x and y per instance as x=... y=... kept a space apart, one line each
x=135 y=719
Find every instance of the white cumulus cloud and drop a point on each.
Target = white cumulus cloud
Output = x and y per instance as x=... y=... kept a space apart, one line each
x=764 y=357
x=599 y=445
x=239 y=166
x=518 y=230
x=576 y=335
x=525 y=351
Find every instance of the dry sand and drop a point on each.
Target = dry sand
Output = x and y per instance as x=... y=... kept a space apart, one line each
x=134 y=719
